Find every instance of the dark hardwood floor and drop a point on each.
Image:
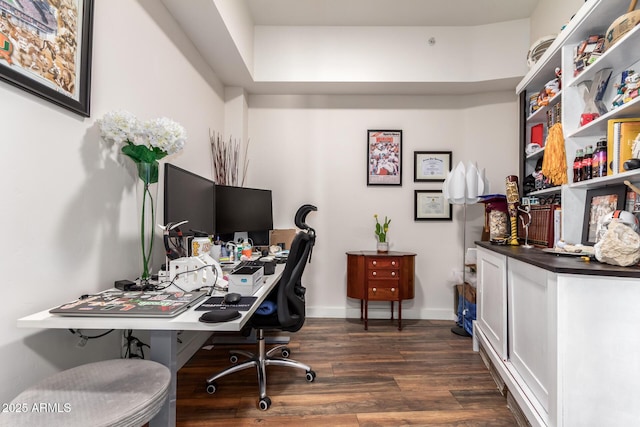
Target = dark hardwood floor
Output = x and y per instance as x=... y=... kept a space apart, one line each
x=421 y=376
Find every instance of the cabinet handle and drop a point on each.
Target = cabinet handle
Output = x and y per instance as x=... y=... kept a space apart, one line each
x=374 y=290
x=374 y=273
x=373 y=262
x=393 y=289
x=393 y=263
x=393 y=273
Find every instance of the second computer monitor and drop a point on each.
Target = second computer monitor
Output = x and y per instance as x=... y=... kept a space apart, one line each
x=241 y=209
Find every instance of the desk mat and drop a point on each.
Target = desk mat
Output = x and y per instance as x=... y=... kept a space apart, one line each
x=216 y=303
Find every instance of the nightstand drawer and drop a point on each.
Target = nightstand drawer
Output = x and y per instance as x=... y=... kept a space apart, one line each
x=383 y=274
x=383 y=262
x=384 y=293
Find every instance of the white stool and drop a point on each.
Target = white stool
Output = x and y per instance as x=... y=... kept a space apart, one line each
x=120 y=392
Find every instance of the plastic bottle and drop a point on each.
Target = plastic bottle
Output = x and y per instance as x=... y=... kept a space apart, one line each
x=577 y=166
x=587 y=163
x=599 y=162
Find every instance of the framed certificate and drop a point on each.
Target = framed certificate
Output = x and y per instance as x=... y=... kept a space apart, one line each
x=431 y=166
x=430 y=205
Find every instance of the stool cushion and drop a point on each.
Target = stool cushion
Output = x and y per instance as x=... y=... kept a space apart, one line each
x=121 y=392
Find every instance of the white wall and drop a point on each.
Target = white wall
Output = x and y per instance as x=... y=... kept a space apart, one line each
x=550 y=15
x=312 y=149
x=68 y=208
x=390 y=54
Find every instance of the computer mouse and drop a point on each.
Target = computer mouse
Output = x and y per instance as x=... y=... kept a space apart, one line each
x=232 y=298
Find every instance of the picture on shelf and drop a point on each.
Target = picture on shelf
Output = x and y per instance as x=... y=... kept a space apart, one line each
x=598 y=204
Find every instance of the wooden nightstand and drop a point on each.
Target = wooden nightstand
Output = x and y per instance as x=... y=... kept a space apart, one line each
x=375 y=276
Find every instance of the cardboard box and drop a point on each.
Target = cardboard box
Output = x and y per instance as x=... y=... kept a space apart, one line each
x=246 y=281
x=277 y=237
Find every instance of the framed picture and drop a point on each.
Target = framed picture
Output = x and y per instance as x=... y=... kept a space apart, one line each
x=45 y=49
x=431 y=205
x=600 y=202
x=384 y=157
x=431 y=165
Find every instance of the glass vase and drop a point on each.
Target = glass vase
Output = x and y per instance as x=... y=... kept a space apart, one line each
x=146 y=193
x=382 y=247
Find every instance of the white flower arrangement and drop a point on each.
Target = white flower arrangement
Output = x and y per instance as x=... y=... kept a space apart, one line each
x=143 y=142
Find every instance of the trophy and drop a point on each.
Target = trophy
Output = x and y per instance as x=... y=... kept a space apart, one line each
x=513 y=198
x=526 y=224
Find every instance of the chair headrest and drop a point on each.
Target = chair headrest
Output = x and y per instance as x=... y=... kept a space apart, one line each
x=301 y=216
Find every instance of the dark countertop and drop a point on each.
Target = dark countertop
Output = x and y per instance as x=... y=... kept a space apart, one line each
x=561 y=263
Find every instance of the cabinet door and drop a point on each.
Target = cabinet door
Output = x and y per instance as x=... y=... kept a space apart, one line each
x=531 y=322
x=492 y=299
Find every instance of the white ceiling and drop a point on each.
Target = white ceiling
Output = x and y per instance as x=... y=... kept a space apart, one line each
x=388 y=12
x=202 y=26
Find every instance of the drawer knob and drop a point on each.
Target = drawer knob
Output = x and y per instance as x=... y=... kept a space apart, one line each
x=374 y=289
x=393 y=263
x=374 y=273
x=374 y=263
x=393 y=289
x=393 y=273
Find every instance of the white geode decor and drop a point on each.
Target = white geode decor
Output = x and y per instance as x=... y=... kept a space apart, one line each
x=620 y=245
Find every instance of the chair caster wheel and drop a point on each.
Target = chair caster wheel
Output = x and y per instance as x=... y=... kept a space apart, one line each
x=264 y=403
x=211 y=388
x=311 y=376
x=286 y=352
x=233 y=359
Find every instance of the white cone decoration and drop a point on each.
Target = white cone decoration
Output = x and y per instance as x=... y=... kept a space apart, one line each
x=464 y=185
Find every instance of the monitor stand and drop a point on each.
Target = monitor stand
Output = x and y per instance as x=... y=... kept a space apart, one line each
x=240 y=236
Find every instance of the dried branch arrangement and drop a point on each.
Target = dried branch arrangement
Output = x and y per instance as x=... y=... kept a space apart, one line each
x=226 y=159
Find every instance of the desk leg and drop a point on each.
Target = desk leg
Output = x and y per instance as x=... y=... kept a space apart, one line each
x=391 y=310
x=366 y=314
x=164 y=350
x=399 y=315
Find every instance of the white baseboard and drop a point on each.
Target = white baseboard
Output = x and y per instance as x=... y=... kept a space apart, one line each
x=379 y=313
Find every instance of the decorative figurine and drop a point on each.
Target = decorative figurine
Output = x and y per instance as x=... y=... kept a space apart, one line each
x=513 y=198
x=527 y=211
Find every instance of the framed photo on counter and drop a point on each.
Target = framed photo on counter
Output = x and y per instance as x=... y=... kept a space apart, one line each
x=431 y=165
x=384 y=157
x=45 y=49
x=431 y=205
x=600 y=202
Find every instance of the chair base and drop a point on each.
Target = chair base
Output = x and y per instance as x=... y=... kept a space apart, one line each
x=260 y=361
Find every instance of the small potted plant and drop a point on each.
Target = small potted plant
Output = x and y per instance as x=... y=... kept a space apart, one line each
x=381 y=233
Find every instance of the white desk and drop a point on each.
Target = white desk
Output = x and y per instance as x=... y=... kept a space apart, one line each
x=163 y=334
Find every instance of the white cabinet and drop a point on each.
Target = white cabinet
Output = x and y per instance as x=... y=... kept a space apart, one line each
x=531 y=323
x=492 y=298
x=572 y=355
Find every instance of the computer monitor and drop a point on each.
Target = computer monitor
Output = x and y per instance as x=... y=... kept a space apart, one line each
x=191 y=197
x=241 y=209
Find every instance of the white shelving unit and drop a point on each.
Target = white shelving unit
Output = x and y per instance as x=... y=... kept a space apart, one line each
x=593 y=18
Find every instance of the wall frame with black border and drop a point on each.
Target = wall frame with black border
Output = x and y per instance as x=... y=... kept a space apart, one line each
x=57 y=67
x=598 y=203
x=431 y=166
x=431 y=205
x=384 y=157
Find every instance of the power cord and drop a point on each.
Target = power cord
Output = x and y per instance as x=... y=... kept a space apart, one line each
x=85 y=338
x=160 y=288
x=134 y=348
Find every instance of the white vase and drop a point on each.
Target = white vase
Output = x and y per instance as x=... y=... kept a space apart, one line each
x=382 y=247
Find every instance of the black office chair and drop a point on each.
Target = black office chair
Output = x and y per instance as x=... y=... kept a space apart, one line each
x=289 y=315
